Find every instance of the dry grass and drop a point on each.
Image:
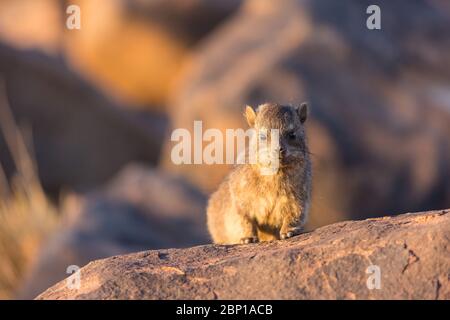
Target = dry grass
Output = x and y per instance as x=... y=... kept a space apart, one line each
x=26 y=215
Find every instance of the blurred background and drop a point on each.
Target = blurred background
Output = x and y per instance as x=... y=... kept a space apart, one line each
x=86 y=116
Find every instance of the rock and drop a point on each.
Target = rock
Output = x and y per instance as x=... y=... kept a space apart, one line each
x=140 y=209
x=187 y=20
x=80 y=137
x=412 y=252
x=135 y=50
x=28 y=32
x=379 y=100
x=130 y=49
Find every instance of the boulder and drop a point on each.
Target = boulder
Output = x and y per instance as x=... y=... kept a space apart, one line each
x=80 y=137
x=28 y=31
x=401 y=257
x=130 y=49
x=134 y=51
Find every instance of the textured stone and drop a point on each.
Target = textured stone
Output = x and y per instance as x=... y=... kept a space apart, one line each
x=411 y=250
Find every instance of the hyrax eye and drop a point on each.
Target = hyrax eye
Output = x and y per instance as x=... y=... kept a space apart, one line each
x=292 y=136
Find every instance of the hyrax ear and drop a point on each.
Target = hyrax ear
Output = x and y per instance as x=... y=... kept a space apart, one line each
x=302 y=111
x=250 y=115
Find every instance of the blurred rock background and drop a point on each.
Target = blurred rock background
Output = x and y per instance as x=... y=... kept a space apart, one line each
x=89 y=104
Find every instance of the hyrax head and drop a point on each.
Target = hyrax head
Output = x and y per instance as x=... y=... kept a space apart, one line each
x=279 y=129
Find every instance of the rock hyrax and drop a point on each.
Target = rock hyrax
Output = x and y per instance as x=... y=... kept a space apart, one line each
x=251 y=205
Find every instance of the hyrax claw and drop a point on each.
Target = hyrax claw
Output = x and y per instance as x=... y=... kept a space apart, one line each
x=249 y=240
x=290 y=233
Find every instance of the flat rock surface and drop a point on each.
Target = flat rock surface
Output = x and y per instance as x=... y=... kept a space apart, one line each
x=410 y=251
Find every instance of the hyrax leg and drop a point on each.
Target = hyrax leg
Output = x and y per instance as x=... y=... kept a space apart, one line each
x=249 y=231
x=241 y=229
x=290 y=228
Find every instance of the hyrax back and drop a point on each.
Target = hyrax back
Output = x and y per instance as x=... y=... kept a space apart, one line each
x=252 y=205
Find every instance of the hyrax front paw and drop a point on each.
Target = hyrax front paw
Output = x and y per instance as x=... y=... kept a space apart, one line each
x=249 y=240
x=285 y=234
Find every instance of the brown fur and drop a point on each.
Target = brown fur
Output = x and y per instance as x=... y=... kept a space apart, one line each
x=249 y=206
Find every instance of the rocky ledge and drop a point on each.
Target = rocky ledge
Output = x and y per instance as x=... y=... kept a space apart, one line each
x=401 y=257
